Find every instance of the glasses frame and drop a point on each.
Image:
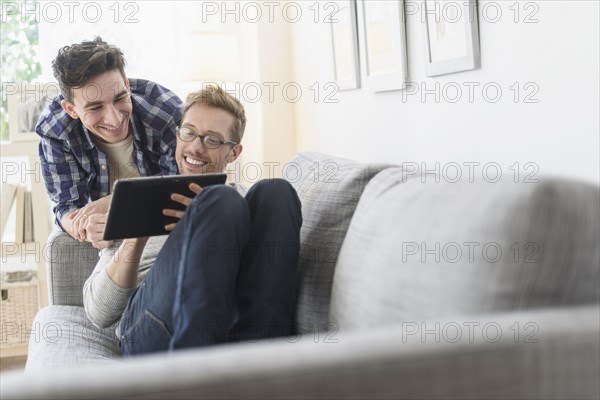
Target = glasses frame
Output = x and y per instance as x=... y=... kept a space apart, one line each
x=202 y=138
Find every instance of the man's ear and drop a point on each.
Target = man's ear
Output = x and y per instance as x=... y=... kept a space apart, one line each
x=69 y=108
x=235 y=153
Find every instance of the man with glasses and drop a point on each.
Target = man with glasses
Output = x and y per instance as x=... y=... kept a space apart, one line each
x=102 y=128
x=228 y=269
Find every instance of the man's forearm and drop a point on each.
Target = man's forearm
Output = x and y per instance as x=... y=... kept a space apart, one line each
x=123 y=268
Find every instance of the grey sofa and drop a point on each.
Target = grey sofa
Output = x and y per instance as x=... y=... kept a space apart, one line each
x=410 y=287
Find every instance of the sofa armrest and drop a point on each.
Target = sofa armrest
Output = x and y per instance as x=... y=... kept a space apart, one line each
x=68 y=264
x=555 y=355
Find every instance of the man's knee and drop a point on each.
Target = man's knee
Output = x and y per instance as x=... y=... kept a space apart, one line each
x=220 y=200
x=222 y=194
x=275 y=188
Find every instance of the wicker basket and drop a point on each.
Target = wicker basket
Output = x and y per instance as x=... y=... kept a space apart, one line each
x=19 y=305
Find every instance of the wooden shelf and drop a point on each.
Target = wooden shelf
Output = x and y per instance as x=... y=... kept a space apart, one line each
x=41 y=215
x=19 y=149
x=13 y=351
x=32 y=253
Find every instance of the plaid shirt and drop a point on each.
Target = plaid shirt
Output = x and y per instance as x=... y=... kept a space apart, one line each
x=76 y=171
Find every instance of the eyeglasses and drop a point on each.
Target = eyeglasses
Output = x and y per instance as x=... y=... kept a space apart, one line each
x=210 y=141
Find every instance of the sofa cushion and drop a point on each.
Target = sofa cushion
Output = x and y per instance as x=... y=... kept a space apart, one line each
x=417 y=251
x=329 y=189
x=63 y=336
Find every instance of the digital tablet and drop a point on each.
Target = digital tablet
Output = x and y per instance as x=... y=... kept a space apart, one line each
x=137 y=204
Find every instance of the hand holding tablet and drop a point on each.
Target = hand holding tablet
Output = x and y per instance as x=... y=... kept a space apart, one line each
x=137 y=205
x=186 y=201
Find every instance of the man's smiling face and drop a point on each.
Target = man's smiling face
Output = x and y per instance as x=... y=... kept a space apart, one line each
x=103 y=105
x=193 y=157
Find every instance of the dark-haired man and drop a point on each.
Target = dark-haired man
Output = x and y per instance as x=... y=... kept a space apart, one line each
x=103 y=127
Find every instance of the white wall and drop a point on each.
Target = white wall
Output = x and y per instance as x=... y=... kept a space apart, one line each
x=154 y=36
x=559 y=55
x=560 y=134
x=145 y=31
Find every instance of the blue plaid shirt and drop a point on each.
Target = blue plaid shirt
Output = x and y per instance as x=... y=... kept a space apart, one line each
x=76 y=171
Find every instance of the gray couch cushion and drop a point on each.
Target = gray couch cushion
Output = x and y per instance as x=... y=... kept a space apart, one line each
x=417 y=251
x=69 y=264
x=329 y=189
x=63 y=336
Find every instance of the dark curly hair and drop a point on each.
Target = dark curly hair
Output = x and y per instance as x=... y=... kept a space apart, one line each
x=76 y=64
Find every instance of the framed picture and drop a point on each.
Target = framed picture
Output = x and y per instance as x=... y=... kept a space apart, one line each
x=25 y=105
x=384 y=42
x=451 y=36
x=344 y=35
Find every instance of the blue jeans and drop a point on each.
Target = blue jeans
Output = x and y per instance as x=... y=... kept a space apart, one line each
x=227 y=272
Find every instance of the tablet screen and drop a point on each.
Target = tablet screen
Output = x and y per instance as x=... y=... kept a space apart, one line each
x=136 y=206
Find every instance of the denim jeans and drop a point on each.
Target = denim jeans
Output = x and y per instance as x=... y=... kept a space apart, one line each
x=227 y=272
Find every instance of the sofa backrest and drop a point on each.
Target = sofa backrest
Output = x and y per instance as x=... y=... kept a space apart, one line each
x=329 y=189
x=418 y=250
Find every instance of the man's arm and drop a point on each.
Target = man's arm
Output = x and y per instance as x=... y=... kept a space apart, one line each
x=66 y=185
x=107 y=290
x=123 y=268
x=63 y=177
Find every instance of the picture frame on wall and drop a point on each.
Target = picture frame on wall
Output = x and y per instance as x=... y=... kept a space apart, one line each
x=26 y=101
x=383 y=40
x=451 y=32
x=344 y=36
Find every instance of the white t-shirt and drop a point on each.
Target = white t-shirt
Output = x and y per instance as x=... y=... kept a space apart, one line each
x=120 y=159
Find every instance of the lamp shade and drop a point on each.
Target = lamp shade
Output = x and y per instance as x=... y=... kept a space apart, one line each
x=209 y=57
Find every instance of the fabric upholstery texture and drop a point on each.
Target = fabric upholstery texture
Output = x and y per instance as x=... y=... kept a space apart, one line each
x=416 y=251
x=329 y=189
x=69 y=263
x=557 y=362
x=62 y=336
